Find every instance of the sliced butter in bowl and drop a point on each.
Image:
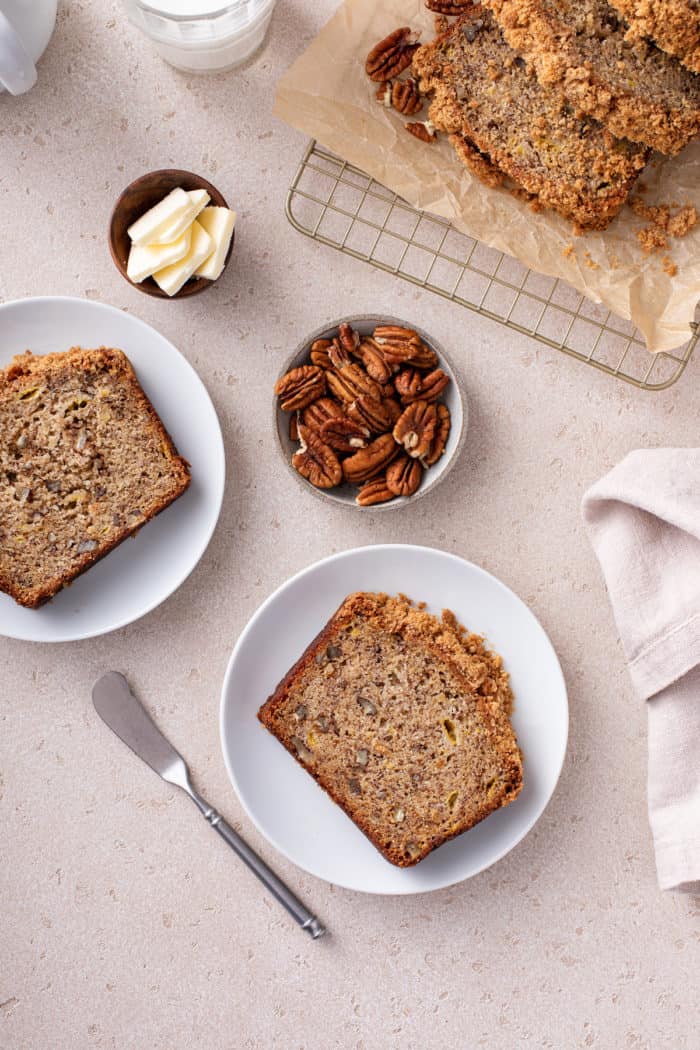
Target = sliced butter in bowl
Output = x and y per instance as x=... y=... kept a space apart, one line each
x=219 y=224
x=171 y=278
x=146 y=259
x=198 y=200
x=160 y=217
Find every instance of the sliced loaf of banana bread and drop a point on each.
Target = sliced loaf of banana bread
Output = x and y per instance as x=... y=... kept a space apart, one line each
x=582 y=48
x=404 y=720
x=84 y=462
x=485 y=93
x=673 y=25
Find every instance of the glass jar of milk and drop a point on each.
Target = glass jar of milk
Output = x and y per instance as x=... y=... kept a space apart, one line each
x=203 y=36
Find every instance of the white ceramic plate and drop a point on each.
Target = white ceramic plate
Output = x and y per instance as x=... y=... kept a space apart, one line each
x=287 y=805
x=144 y=570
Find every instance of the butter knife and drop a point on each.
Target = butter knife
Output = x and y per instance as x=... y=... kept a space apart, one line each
x=124 y=714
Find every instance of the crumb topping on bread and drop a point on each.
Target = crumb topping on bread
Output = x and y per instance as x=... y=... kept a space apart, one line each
x=673 y=25
x=582 y=48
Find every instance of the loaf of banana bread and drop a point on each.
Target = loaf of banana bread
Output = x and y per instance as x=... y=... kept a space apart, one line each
x=486 y=94
x=582 y=47
x=404 y=720
x=84 y=462
x=673 y=25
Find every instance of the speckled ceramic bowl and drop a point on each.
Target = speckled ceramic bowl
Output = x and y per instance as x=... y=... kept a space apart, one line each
x=454 y=397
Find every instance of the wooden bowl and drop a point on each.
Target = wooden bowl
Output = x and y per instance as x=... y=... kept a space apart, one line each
x=137 y=198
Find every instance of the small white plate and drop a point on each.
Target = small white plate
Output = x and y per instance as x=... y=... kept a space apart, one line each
x=287 y=805
x=144 y=570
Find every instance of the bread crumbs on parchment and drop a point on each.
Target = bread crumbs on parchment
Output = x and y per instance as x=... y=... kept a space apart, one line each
x=568 y=251
x=662 y=224
x=590 y=263
x=668 y=266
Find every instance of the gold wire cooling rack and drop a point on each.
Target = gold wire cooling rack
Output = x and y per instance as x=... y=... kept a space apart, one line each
x=339 y=205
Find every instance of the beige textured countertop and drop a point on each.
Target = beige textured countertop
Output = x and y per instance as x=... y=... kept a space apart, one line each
x=125 y=922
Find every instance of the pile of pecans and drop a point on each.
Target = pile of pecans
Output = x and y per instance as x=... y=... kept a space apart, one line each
x=393 y=56
x=385 y=63
x=365 y=410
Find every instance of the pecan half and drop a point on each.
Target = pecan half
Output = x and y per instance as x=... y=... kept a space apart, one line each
x=392 y=55
x=403 y=476
x=415 y=428
x=371 y=412
x=383 y=94
x=450 y=7
x=370 y=461
x=294 y=426
x=344 y=435
x=406 y=98
x=348 y=338
x=376 y=365
x=402 y=346
x=400 y=354
x=374 y=492
x=442 y=432
x=350 y=382
x=316 y=461
x=409 y=383
x=412 y=386
x=319 y=412
x=319 y=353
x=338 y=355
x=395 y=333
x=422 y=129
x=300 y=387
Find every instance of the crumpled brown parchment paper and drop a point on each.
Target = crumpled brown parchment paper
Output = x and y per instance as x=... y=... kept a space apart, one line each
x=327 y=95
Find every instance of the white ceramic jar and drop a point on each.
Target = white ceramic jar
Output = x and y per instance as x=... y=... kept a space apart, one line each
x=203 y=36
x=25 y=30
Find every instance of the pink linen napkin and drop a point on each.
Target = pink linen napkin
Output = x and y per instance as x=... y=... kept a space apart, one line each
x=644 y=522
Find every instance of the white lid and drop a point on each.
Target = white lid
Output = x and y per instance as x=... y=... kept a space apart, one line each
x=17 y=71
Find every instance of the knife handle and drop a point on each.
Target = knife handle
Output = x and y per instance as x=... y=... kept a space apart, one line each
x=277 y=888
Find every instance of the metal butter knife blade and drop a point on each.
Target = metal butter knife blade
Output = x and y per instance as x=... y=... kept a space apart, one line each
x=125 y=715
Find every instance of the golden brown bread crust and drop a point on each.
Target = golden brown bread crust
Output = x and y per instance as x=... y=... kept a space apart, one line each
x=86 y=365
x=673 y=25
x=486 y=171
x=464 y=658
x=580 y=47
x=571 y=164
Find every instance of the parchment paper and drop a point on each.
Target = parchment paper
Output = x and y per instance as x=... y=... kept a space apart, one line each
x=327 y=95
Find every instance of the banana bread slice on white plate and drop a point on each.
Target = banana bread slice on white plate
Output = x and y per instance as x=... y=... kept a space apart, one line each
x=84 y=462
x=403 y=719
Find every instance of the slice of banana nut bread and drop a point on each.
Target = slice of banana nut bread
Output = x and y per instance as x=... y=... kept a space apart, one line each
x=582 y=48
x=481 y=165
x=404 y=720
x=485 y=93
x=673 y=25
x=84 y=462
